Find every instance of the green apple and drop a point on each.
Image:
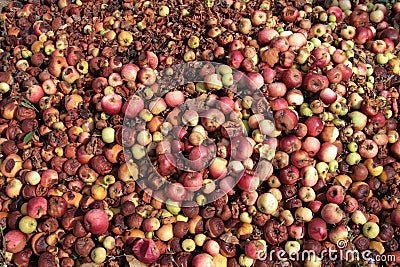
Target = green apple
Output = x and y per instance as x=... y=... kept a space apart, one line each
x=292 y=247
x=267 y=203
x=108 y=135
x=4 y=88
x=358 y=119
x=199 y=239
x=27 y=224
x=172 y=206
x=371 y=230
x=245 y=261
x=353 y=158
x=163 y=11
x=333 y=166
x=98 y=255
x=352 y=146
x=382 y=58
x=358 y=217
x=109 y=242
x=188 y=245
x=227 y=79
x=316 y=42
x=224 y=69
x=194 y=42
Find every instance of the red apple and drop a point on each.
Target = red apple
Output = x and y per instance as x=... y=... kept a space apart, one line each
x=368 y=149
x=34 y=93
x=240 y=148
x=276 y=89
x=314 y=126
x=57 y=206
x=266 y=35
x=249 y=182
x=335 y=194
x=254 y=249
x=290 y=144
x=285 y=120
x=332 y=213
x=315 y=82
x=37 y=207
x=146 y=251
x=289 y=175
x=292 y=78
x=111 y=103
x=192 y=181
x=334 y=75
x=15 y=241
x=317 y=229
x=176 y=192
x=96 y=221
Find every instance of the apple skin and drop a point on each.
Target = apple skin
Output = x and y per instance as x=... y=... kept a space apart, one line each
x=317 y=229
x=203 y=260
x=192 y=181
x=314 y=82
x=146 y=251
x=96 y=221
x=15 y=241
x=254 y=249
x=241 y=148
x=176 y=192
x=371 y=230
x=331 y=213
x=57 y=206
x=249 y=182
x=335 y=194
x=111 y=104
x=37 y=207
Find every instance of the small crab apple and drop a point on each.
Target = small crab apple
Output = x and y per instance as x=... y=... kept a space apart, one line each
x=96 y=221
x=176 y=192
x=111 y=103
x=335 y=194
x=254 y=249
x=378 y=46
x=259 y=17
x=37 y=207
x=34 y=93
x=125 y=38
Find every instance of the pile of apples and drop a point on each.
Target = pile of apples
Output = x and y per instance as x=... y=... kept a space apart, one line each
x=101 y=165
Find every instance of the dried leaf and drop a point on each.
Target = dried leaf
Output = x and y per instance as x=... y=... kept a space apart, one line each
x=28 y=137
x=133 y=262
x=229 y=238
